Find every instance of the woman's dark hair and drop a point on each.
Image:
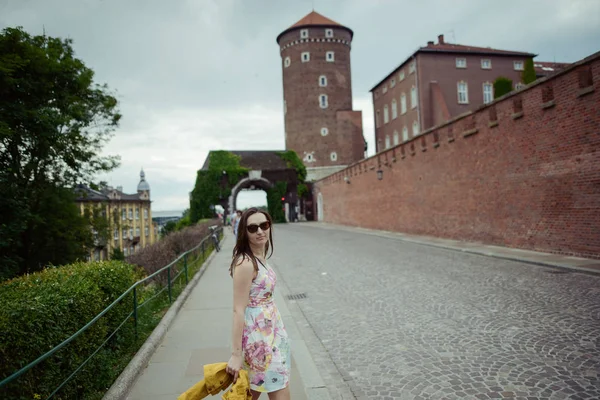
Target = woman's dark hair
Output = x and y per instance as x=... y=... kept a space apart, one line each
x=242 y=247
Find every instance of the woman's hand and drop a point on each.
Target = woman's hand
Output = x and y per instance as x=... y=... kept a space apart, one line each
x=233 y=366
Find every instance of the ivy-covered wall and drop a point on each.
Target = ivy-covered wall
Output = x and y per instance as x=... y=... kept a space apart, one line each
x=213 y=185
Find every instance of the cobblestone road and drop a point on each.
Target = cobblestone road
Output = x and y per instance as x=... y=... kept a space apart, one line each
x=405 y=321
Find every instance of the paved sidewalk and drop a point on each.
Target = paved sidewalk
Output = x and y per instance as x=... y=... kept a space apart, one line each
x=532 y=257
x=201 y=334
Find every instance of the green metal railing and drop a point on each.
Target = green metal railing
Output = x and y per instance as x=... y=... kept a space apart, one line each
x=186 y=261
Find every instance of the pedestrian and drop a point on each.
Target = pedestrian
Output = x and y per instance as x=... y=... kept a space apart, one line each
x=238 y=216
x=233 y=218
x=260 y=344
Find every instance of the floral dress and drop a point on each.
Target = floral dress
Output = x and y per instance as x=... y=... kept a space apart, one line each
x=265 y=342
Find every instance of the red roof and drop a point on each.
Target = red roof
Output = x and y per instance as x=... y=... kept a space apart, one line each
x=544 y=68
x=459 y=48
x=444 y=47
x=314 y=18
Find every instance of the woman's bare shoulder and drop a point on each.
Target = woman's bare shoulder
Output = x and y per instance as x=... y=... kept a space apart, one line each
x=243 y=263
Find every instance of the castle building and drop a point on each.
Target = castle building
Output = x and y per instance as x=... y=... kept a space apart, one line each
x=129 y=217
x=439 y=82
x=320 y=125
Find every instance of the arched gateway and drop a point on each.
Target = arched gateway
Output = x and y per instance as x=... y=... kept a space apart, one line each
x=270 y=171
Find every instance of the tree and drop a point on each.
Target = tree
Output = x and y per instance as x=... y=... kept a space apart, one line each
x=502 y=86
x=528 y=74
x=54 y=121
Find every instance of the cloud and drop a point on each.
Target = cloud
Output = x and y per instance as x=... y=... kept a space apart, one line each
x=194 y=76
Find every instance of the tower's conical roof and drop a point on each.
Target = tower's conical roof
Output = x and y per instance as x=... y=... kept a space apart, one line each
x=314 y=19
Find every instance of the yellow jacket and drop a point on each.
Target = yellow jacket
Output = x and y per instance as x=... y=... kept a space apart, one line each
x=216 y=379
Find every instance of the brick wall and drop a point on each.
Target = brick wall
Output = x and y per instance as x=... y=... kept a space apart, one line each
x=523 y=172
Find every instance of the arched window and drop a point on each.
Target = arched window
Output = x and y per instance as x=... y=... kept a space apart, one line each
x=394 y=109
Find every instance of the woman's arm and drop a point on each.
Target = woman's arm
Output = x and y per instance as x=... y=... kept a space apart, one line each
x=243 y=273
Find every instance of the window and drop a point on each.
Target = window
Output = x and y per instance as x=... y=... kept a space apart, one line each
x=146 y=231
x=125 y=251
x=322 y=81
x=387 y=141
x=411 y=67
x=323 y=101
x=330 y=56
x=486 y=63
x=131 y=213
x=124 y=214
x=309 y=157
x=461 y=63
x=116 y=234
x=518 y=65
x=488 y=93
x=328 y=33
x=286 y=62
x=333 y=156
x=377 y=119
x=384 y=90
x=324 y=131
x=463 y=93
x=137 y=213
x=131 y=250
x=394 y=109
x=145 y=213
x=131 y=233
x=386 y=114
x=124 y=233
x=284 y=107
x=405 y=134
x=401 y=75
x=396 y=138
x=519 y=86
x=403 y=104
x=393 y=82
x=137 y=231
x=303 y=33
x=413 y=97
x=305 y=56
x=415 y=128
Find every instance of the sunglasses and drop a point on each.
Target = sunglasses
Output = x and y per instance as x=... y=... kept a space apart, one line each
x=254 y=227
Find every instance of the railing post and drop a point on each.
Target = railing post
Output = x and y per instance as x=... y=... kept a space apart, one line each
x=204 y=241
x=169 y=282
x=185 y=268
x=135 y=320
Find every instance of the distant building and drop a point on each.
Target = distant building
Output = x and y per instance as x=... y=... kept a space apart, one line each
x=438 y=82
x=129 y=216
x=162 y=217
x=543 y=69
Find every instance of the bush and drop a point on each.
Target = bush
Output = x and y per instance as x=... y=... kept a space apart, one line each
x=528 y=74
x=502 y=86
x=41 y=310
x=154 y=257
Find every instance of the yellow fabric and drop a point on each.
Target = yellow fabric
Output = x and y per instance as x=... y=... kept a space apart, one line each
x=216 y=379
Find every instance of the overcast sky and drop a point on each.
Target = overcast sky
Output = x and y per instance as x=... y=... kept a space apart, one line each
x=200 y=75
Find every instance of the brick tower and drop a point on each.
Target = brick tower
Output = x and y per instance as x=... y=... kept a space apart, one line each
x=320 y=125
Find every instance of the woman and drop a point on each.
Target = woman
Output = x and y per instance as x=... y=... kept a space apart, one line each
x=259 y=341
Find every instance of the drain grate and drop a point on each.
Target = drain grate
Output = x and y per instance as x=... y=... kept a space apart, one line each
x=296 y=296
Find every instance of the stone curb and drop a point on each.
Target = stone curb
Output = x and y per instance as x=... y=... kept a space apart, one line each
x=485 y=250
x=126 y=380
